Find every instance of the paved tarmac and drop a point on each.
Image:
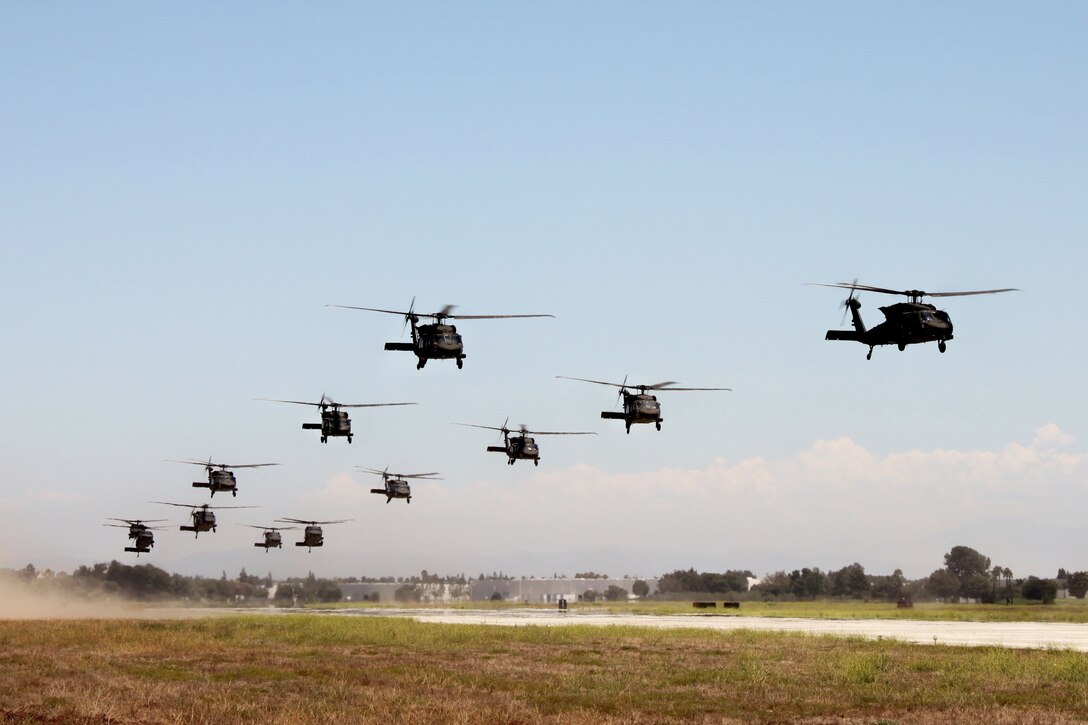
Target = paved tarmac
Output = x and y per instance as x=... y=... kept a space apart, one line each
x=1032 y=635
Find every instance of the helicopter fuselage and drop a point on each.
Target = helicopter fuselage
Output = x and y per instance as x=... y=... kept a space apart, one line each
x=312 y=536
x=220 y=480
x=142 y=539
x=335 y=423
x=637 y=408
x=203 y=520
x=272 y=539
x=518 y=447
x=436 y=341
x=905 y=323
x=394 y=488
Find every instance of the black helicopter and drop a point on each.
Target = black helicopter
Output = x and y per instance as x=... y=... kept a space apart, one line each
x=272 y=538
x=312 y=535
x=641 y=406
x=435 y=341
x=395 y=485
x=905 y=323
x=203 y=516
x=334 y=422
x=139 y=532
x=521 y=446
x=220 y=478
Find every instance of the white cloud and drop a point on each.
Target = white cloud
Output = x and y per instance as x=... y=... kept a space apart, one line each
x=834 y=495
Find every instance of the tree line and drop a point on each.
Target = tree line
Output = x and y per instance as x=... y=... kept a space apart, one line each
x=966 y=575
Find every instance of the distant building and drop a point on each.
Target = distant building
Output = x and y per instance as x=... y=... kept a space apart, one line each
x=546 y=591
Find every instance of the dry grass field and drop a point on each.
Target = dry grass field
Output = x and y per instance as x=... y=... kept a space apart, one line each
x=301 y=669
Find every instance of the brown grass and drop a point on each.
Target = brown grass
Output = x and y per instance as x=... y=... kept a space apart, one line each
x=300 y=669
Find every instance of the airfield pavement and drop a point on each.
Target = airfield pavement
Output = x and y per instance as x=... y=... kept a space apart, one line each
x=1024 y=635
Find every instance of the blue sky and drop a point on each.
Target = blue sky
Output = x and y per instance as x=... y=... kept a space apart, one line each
x=187 y=186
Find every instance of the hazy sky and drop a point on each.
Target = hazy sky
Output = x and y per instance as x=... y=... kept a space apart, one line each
x=185 y=186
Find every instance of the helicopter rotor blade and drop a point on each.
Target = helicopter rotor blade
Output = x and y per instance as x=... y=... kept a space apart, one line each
x=974 y=292
x=373 y=309
x=490 y=317
x=488 y=427
x=313 y=523
x=561 y=433
x=911 y=293
x=370 y=405
x=598 y=382
x=296 y=402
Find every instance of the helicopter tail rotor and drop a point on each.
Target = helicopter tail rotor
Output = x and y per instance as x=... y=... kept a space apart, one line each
x=409 y=316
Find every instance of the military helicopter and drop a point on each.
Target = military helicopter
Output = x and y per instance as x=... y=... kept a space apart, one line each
x=435 y=341
x=521 y=446
x=334 y=422
x=312 y=536
x=139 y=532
x=203 y=516
x=394 y=484
x=905 y=323
x=272 y=538
x=641 y=406
x=221 y=479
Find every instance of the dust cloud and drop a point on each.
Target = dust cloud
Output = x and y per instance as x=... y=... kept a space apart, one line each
x=25 y=600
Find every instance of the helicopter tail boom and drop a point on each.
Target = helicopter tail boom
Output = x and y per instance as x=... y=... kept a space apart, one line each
x=403 y=346
x=612 y=415
x=843 y=335
x=311 y=426
x=496 y=449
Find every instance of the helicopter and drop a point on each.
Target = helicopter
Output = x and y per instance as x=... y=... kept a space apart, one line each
x=394 y=484
x=272 y=536
x=641 y=406
x=203 y=516
x=434 y=341
x=334 y=422
x=521 y=446
x=905 y=323
x=312 y=536
x=139 y=532
x=221 y=479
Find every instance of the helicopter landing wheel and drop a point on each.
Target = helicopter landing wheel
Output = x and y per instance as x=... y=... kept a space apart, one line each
x=324 y=439
x=902 y=346
x=460 y=363
x=870 y=355
x=658 y=426
x=349 y=440
x=234 y=493
x=409 y=499
x=420 y=364
x=941 y=346
x=536 y=461
x=388 y=500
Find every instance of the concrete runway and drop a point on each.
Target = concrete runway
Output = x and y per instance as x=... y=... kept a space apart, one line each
x=1032 y=635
